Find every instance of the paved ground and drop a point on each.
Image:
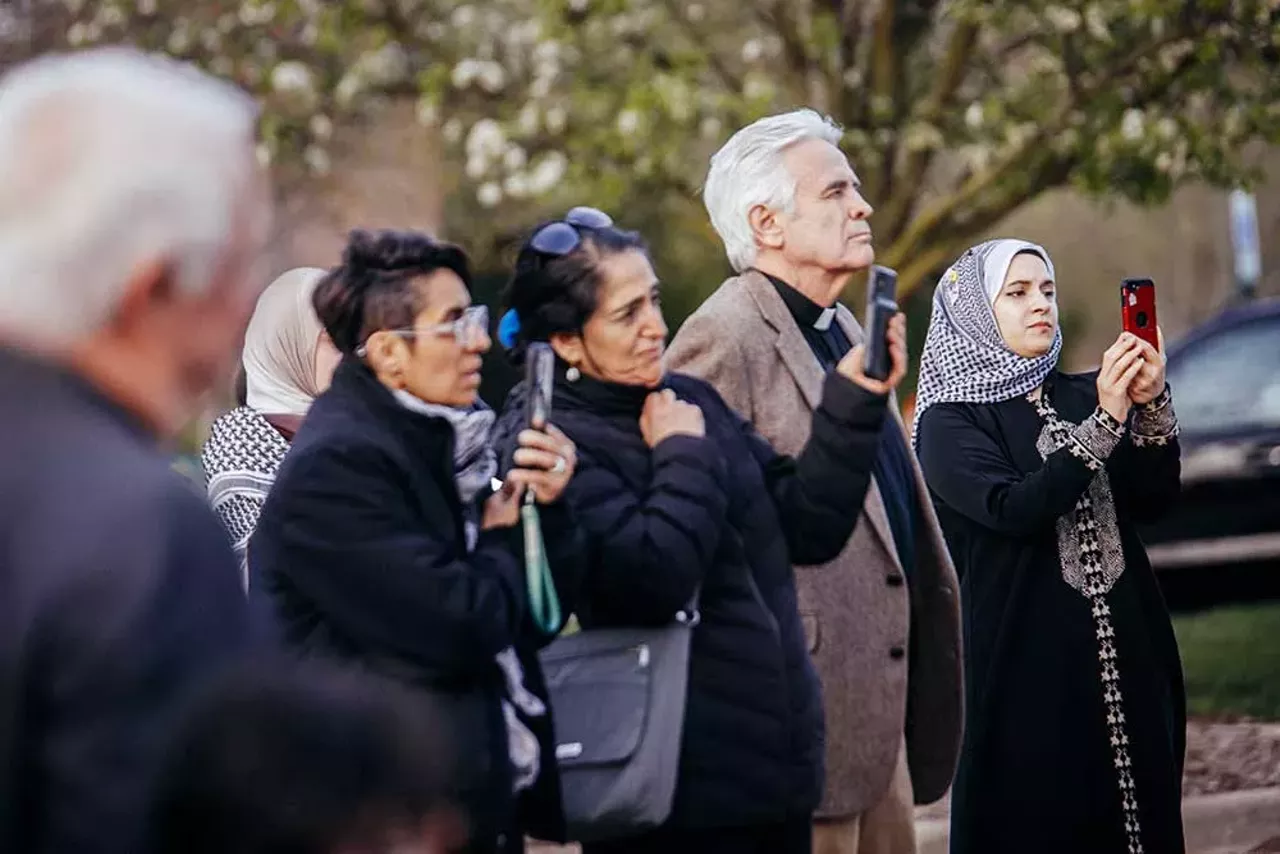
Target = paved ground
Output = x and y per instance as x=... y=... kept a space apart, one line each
x=1231 y=789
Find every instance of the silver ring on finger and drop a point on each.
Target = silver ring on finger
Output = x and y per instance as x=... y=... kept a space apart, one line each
x=560 y=466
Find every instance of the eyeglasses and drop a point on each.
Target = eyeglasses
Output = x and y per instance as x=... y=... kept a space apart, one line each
x=470 y=326
x=562 y=237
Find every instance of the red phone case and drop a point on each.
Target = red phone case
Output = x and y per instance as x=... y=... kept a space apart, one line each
x=1138 y=309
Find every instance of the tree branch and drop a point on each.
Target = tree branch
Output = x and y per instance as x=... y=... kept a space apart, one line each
x=793 y=49
x=924 y=264
x=939 y=215
x=881 y=81
x=948 y=76
x=728 y=79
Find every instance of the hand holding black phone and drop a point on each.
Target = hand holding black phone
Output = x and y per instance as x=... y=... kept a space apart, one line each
x=882 y=290
x=540 y=365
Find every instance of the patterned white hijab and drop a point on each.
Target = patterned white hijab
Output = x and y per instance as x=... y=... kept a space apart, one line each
x=965 y=359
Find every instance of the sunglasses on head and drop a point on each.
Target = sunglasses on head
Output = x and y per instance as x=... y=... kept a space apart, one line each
x=562 y=237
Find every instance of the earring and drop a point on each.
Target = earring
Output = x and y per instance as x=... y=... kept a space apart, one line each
x=573 y=374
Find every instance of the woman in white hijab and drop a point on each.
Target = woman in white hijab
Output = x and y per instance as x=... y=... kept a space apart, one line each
x=1074 y=705
x=287 y=362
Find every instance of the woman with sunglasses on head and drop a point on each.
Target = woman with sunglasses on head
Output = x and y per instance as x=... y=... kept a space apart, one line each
x=678 y=496
x=381 y=544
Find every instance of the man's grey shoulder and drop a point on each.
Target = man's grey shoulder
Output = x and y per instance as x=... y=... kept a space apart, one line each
x=730 y=304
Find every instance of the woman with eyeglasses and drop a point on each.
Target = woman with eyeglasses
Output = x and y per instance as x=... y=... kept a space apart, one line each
x=678 y=496
x=382 y=543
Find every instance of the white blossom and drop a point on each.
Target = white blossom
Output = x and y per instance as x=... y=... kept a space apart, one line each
x=348 y=88
x=179 y=40
x=428 y=112
x=628 y=122
x=476 y=167
x=695 y=12
x=1096 y=23
x=578 y=5
x=463 y=16
x=211 y=40
x=1063 y=19
x=489 y=194
x=516 y=185
x=527 y=121
x=514 y=158
x=486 y=139
x=147 y=7
x=263 y=152
x=548 y=172
x=317 y=160
x=973 y=116
x=557 y=119
x=757 y=88
x=452 y=131
x=295 y=84
x=78 y=34
x=710 y=127
x=387 y=66
x=111 y=16
x=1132 y=125
x=321 y=126
x=752 y=50
x=492 y=77
x=463 y=73
x=540 y=88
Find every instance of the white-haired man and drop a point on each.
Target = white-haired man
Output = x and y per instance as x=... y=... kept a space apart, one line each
x=132 y=210
x=883 y=619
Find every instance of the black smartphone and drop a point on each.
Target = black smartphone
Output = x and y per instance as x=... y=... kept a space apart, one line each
x=540 y=366
x=882 y=305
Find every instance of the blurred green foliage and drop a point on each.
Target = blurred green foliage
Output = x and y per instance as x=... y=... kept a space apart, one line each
x=957 y=112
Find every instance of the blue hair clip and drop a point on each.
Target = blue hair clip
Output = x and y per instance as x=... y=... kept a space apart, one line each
x=508 y=329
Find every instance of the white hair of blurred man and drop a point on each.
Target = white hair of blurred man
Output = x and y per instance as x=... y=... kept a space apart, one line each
x=132 y=213
x=749 y=171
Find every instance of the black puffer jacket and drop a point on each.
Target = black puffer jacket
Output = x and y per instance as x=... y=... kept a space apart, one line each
x=728 y=513
x=361 y=550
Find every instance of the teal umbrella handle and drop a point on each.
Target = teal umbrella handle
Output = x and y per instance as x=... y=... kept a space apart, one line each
x=544 y=603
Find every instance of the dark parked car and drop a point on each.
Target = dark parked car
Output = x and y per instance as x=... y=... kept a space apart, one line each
x=1226 y=381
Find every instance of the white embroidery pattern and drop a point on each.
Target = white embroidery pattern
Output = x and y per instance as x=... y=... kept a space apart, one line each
x=1092 y=559
x=1154 y=423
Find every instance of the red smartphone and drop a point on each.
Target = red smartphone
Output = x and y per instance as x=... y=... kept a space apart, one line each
x=1138 y=309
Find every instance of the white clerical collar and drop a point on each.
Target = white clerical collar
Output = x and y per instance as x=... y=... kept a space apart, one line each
x=823 y=323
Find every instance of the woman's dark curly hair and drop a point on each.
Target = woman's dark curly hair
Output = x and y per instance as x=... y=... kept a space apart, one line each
x=557 y=294
x=374 y=287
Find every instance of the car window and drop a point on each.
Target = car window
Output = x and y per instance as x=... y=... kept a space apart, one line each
x=1231 y=379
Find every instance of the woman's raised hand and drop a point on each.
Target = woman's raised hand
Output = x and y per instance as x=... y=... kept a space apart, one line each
x=1120 y=364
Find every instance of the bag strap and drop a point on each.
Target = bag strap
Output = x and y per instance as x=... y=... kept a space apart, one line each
x=544 y=602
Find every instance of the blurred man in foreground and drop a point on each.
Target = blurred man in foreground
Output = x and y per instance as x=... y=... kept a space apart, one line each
x=131 y=214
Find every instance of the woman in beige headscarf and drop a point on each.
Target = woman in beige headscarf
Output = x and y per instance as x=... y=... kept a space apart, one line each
x=288 y=360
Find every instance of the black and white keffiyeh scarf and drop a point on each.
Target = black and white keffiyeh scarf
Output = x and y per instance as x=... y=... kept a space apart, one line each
x=474 y=464
x=240 y=460
x=965 y=359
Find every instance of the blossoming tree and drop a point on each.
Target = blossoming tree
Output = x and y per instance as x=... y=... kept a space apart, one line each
x=956 y=112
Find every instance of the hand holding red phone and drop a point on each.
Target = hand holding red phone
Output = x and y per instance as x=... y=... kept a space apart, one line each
x=1149 y=382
